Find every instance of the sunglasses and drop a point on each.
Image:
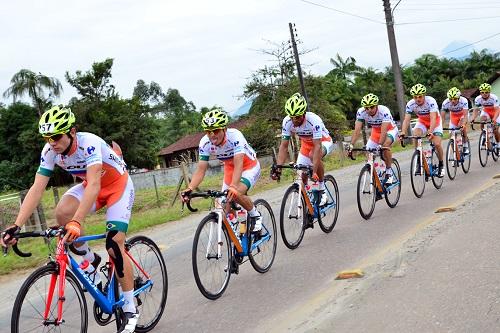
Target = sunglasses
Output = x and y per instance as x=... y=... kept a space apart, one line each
x=453 y=99
x=418 y=96
x=53 y=138
x=214 y=131
x=370 y=107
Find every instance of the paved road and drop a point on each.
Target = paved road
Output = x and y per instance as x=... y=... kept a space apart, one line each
x=300 y=292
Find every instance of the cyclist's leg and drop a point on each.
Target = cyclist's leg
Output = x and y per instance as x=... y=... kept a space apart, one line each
x=120 y=202
x=418 y=130
x=392 y=136
x=65 y=210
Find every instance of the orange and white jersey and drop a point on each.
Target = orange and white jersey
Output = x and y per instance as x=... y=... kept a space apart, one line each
x=383 y=115
x=488 y=104
x=89 y=150
x=234 y=144
x=424 y=111
x=461 y=105
x=311 y=128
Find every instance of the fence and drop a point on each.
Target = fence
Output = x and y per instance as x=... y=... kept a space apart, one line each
x=9 y=208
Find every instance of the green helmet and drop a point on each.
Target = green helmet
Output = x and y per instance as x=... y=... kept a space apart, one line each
x=453 y=93
x=56 y=120
x=485 y=87
x=418 y=89
x=296 y=105
x=369 y=100
x=214 y=119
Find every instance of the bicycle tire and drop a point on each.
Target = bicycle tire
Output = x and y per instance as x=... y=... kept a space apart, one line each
x=396 y=171
x=290 y=240
x=325 y=212
x=494 y=150
x=416 y=179
x=153 y=263
x=262 y=257
x=451 y=160
x=366 y=189
x=49 y=270
x=436 y=181
x=224 y=266
x=466 y=158
x=483 y=150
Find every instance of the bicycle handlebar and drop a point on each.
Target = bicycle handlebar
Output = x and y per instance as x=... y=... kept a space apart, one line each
x=452 y=129
x=47 y=234
x=206 y=194
x=371 y=150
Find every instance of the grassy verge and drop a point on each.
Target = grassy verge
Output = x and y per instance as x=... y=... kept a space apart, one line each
x=149 y=211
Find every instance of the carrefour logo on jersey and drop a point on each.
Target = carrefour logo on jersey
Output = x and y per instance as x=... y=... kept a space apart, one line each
x=317 y=127
x=90 y=150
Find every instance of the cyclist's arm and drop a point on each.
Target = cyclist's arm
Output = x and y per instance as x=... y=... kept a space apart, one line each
x=93 y=179
x=474 y=112
x=406 y=122
x=432 y=126
x=316 y=155
x=198 y=175
x=497 y=113
x=238 y=169
x=283 y=151
x=32 y=199
x=358 y=126
x=443 y=114
x=383 y=133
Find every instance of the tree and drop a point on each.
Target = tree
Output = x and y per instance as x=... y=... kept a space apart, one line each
x=35 y=85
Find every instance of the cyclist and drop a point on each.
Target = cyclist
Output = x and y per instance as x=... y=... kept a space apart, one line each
x=384 y=130
x=490 y=109
x=429 y=121
x=105 y=183
x=241 y=166
x=458 y=107
x=315 y=140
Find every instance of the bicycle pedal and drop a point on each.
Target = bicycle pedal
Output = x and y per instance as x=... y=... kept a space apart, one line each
x=308 y=225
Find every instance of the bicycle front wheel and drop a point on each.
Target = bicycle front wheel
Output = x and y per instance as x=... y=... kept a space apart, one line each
x=494 y=150
x=483 y=150
x=393 y=192
x=437 y=181
x=366 y=193
x=451 y=160
x=263 y=245
x=211 y=260
x=417 y=175
x=31 y=300
x=292 y=217
x=330 y=211
x=466 y=157
x=151 y=302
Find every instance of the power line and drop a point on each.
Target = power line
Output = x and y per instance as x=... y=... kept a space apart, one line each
x=447 y=9
x=454 y=20
x=478 y=41
x=451 y=3
x=342 y=12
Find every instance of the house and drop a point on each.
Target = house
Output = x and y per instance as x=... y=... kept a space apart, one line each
x=186 y=148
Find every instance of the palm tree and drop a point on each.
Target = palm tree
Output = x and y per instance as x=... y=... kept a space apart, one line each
x=26 y=81
x=343 y=68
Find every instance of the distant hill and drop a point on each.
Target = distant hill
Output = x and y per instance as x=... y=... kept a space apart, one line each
x=242 y=109
x=464 y=49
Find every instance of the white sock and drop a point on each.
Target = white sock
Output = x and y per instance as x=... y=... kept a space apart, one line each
x=129 y=305
x=253 y=212
x=89 y=255
x=388 y=171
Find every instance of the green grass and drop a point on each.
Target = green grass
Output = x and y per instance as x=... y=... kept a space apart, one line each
x=148 y=211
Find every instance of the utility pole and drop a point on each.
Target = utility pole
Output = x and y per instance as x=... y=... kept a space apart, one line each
x=396 y=69
x=297 y=61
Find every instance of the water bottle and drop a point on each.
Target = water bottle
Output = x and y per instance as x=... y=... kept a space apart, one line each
x=233 y=222
x=242 y=220
x=92 y=273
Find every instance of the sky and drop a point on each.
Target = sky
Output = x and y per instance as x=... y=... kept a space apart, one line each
x=209 y=49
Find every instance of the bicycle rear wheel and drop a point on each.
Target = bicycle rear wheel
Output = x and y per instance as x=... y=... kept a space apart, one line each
x=417 y=175
x=483 y=150
x=262 y=256
x=393 y=192
x=151 y=302
x=437 y=181
x=293 y=217
x=29 y=306
x=330 y=211
x=366 y=193
x=466 y=158
x=211 y=269
x=451 y=160
x=494 y=150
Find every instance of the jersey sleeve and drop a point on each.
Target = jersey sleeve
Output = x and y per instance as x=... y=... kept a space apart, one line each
x=444 y=106
x=495 y=100
x=360 y=115
x=465 y=104
x=204 y=149
x=285 y=128
x=433 y=105
x=477 y=102
x=409 y=109
x=386 y=115
x=239 y=143
x=47 y=161
x=317 y=125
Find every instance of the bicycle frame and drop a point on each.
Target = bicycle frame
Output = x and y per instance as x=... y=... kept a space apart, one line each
x=423 y=161
x=106 y=302
x=241 y=246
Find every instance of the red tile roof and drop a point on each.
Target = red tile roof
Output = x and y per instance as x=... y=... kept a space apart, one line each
x=192 y=141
